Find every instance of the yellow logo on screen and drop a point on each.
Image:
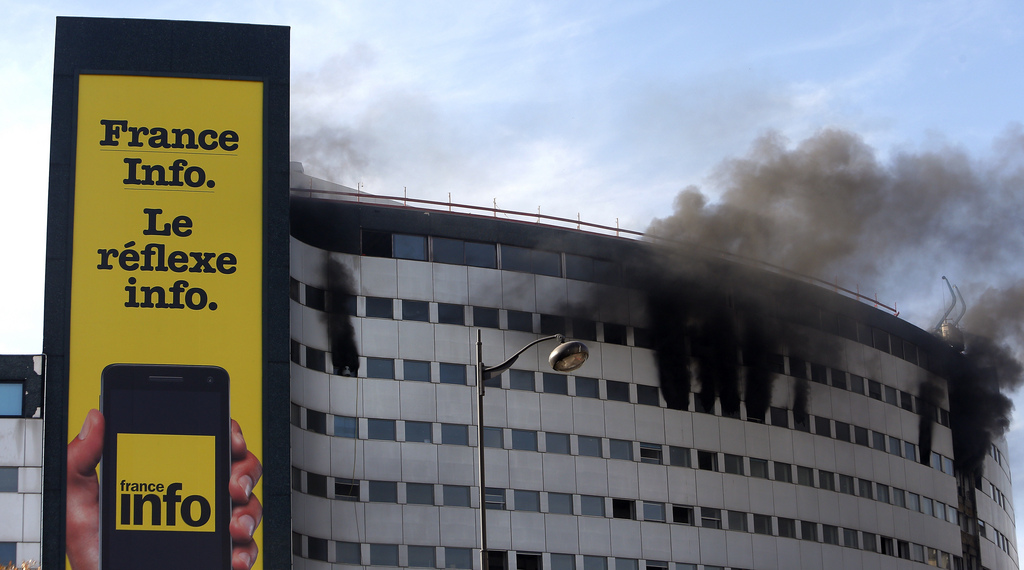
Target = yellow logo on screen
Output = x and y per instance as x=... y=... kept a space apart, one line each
x=166 y=482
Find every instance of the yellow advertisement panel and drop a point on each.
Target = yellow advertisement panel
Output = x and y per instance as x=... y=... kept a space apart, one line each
x=166 y=315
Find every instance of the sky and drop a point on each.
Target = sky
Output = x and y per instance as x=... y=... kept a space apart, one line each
x=608 y=111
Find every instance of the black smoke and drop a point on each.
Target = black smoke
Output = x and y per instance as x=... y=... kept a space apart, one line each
x=830 y=208
x=339 y=312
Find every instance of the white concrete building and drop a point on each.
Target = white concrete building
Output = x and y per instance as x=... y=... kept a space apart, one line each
x=618 y=464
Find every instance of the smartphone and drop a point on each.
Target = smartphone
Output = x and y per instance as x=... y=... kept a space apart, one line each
x=164 y=501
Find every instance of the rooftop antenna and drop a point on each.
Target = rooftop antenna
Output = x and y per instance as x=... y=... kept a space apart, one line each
x=948 y=330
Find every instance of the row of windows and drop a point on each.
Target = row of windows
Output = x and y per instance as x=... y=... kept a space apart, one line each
x=650 y=511
x=585 y=329
x=657 y=454
x=585 y=387
x=380 y=429
x=381 y=554
x=556 y=264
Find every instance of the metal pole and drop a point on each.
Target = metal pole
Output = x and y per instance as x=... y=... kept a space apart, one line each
x=480 y=448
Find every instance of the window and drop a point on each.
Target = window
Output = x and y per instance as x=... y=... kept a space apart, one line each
x=856 y=383
x=379 y=307
x=758 y=468
x=808 y=531
x=839 y=378
x=650 y=453
x=737 y=521
x=560 y=503
x=416 y=311
x=890 y=395
x=707 y=460
x=864 y=489
x=623 y=509
x=860 y=436
x=316 y=548
x=421 y=557
x=947 y=465
x=380 y=429
x=913 y=501
x=485 y=317
x=846 y=484
x=563 y=562
x=780 y=417
x=521 y=380
x=882 y=492
x=926 y=506
x=589 y=446
x=591 y=506
x=455 y=495
x=682 y=515
x=448 y=314
x=618 y=391
x=316 y=421
x=654 y=511
x=524 y=440
x=587 y=387
x=552 y=324
x=557 y=443
x=822 y=426
x=805 y=476
x=494 y=498
x=868 y=542
x=787 y=527
x=878 y=440
x=584 y=329
x=620 y=449
x=818 y=374
x=419 y=493
x=842 y=431
x=316 y=484
x=647 y=395
x=733 y=464
x=411 y=247
x=783 y=472
x=826 y=480
x=380 y=368
x=894 y=446
x=346 y=489
x=452 y=373
x=762 y=524
x=909 y=451
x=347 y=553
x=829 y=534
x=493 y=437
x=874 y=390
x=626 y=564
x=710 y=518
x=527 y=501
x=458 y=558
x=899 y=497
x=520 y=321
x=555 y=383
x=851 y=538
x=657 y=565
x=383 y=492
x=420 y=432
x=454 y=434
x=615 y=334
x=595 y=563
x=11 y=394
x=416 y=371
x=679 y=456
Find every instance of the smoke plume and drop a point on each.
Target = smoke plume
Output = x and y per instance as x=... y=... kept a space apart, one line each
x=830 y=208
x=339 y=310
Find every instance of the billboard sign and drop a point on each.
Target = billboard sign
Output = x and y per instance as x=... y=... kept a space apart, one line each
x=168 y=291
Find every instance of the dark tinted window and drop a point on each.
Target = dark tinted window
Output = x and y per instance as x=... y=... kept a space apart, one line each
x=380 y=368
x=579 y=267
x=417 y=371
x=416 y=310
x=481 y=255
x=555 y=383
x=520 y=321
x=615 y=334
x=449 y=251
x=485 y=317
x=379 y=307
x=587 y=387
x=451 y=314
x=647 y=395
x=552 y=324
x=410 y=247
x=618 y=391
x=452 y=373
x=584 y=329
x=376 y=244
x=515 y=258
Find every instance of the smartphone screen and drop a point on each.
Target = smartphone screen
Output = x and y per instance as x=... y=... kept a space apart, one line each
x=166 y=462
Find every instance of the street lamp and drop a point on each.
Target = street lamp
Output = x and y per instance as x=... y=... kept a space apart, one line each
x=566 y=357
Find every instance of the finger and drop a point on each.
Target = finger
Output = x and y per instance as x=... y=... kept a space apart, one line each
x=244 y=520
x=245 y=473
x=238 y=447
x=85 y=450
x=243 y=556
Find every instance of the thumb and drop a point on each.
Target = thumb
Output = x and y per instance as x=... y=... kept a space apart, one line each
x=85 y=450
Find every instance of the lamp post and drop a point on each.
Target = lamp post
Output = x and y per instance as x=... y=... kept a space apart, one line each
x=566 y=357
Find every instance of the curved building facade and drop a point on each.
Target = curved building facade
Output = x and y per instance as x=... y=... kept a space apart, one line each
x=711 y=428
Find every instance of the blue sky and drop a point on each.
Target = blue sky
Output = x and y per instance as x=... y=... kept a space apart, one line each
x=603 y=109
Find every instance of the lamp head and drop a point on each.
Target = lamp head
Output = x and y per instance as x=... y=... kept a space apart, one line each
x=568 y=356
